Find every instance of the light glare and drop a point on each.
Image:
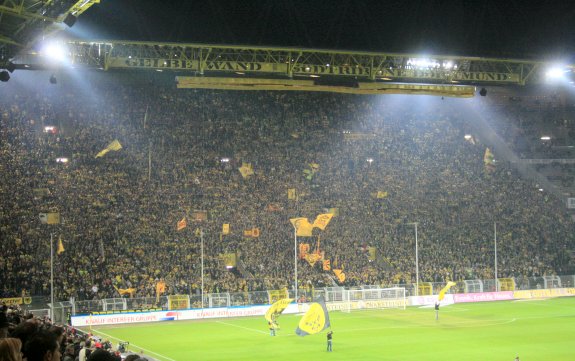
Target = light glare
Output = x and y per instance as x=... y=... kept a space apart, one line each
x=54 y=51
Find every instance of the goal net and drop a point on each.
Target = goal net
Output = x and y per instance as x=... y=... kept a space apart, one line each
x=366 y=298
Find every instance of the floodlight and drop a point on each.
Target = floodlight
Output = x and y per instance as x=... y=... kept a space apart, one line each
x=483 y=92
x=545 y=137
x=4 y=76
x=554 y=73
x=55 y=51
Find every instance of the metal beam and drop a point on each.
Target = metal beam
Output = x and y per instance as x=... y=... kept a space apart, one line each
x=205 y=59
x=7 y=40
x=22 y=13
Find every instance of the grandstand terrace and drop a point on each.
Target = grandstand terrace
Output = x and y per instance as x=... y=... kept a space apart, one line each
x=119 y=212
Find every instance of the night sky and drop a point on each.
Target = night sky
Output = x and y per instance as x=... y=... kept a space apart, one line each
x=498 y=28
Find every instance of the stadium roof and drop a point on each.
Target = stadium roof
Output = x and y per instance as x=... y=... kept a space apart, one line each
x=486 y=28
x=489 y=28
x=23 y=22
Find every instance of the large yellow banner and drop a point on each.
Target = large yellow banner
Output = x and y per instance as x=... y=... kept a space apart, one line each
x=302 y=226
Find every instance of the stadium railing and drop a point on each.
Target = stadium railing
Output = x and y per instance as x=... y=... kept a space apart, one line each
x=212 y=300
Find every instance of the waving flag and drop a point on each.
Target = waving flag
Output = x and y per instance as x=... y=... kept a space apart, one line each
x=444 y=290
x=322 y=220
x=246 y=170
x=60 y=246
x=115 y=146
x=489 y=160
x=276 y=309
x=315 y=320
x=302 y=226
x=181 y=224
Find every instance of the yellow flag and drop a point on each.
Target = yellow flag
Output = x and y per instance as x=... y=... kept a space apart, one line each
x=126 y=291
x=315 y=320
x=115 y=146
x=381 y=194
x=226 y=229
x=339 y=274
x=302 y=226
x=60 y=246
x=291 y=193
x=372 y=251
x=50 y=218
x=246 y=170
x=277 y=308
x=489 y=160
x=182 y=224
x=230 y=259
x=160 y=287
x=322 y=220
x=444 y=290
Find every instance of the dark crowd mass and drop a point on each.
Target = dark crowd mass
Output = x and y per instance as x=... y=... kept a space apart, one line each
x=384 y=162
x=24 y=336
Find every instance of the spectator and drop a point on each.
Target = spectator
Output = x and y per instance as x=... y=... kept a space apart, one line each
x=10 y=349
x=43 y=346
x=102 y=355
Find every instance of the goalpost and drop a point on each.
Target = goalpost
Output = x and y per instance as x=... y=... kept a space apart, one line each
x=365 y=298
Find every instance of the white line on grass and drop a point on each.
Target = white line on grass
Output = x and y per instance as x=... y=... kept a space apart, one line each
x=464 y=324
x=242 y=327
x=141 y=348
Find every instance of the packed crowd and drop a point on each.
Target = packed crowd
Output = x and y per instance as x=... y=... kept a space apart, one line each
x=23 y=336
x=181 y=152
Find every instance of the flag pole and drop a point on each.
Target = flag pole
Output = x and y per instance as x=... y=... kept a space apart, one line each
x=149 y=160
x=416 y=260
x=51 y=278
x=416 y=264
x=495 y=241
x=202 y=252
x=295 y=259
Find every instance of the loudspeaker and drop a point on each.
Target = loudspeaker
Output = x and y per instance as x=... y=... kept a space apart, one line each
x=70 y=20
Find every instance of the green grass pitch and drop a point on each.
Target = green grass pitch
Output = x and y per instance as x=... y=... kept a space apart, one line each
x=533 y=330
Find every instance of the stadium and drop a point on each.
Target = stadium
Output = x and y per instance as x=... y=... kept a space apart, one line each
x=180 y=196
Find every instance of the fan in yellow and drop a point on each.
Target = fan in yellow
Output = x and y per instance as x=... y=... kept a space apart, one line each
x=315 y=320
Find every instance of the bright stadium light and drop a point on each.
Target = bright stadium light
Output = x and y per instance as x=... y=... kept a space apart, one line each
x=423 y=63
x=554 y=73
x=545 y=137
x=54 y=51
x=558 y=73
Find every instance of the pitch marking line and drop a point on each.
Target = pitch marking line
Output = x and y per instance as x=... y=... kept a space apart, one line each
x=141 y=348
x=242 y=327
x=464 y=324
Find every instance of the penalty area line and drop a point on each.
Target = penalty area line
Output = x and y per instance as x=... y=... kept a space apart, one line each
x=141 y=348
